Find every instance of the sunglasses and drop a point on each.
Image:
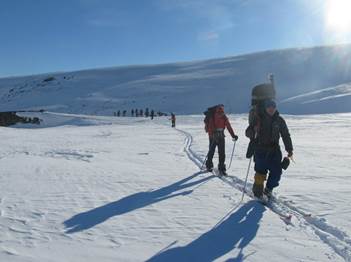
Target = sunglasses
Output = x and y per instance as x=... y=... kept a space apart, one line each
x=271 y=104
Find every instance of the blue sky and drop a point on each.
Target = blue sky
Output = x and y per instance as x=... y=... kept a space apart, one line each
x=40 y=36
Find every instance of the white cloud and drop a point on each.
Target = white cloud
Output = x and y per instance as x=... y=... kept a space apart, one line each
x=106 y=16
x=218 y=16
x=208 y=36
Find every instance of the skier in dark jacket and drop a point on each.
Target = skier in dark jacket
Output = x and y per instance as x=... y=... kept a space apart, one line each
x=215 y=129
x=267 y=154
x=173 y=119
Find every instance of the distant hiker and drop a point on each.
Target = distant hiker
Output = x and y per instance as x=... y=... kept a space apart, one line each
x=215 y=123
x=124 y=112
x=152 y=114
x=132 y=112
x=136 y=112
x=147 y=112
x=118 y=113
x=173 y=119
x=265 y=131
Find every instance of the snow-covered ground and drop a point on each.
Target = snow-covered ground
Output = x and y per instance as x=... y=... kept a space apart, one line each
x=87 y=188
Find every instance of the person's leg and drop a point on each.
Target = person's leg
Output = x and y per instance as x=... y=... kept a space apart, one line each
x=275 y=170
x=221 y=154
x=261 y=173
x=211 y=151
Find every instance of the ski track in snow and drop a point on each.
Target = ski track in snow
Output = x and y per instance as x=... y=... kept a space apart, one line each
x=337 y=239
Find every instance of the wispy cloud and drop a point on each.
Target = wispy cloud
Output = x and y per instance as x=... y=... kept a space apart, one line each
x=108 y=15
x=208 y=36
x=217 y=15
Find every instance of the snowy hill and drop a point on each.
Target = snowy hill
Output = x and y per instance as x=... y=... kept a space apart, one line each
x=335 y=99
x=97 y=188
x=309 y=80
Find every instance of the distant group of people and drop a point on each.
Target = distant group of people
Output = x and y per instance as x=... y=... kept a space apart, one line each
x=119 y=113
x=147 y=113
x=137 y=113
x=142 y=113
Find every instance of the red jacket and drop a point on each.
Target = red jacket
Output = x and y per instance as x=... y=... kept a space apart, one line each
x=219 y=120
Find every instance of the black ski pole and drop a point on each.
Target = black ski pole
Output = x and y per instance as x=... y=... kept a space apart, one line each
x=247 y=174
x=204 y=162
x=231 y=158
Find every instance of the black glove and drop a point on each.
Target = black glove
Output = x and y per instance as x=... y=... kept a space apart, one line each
x=235 y=138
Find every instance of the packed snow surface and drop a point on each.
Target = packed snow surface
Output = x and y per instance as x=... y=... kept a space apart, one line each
x=88 y=188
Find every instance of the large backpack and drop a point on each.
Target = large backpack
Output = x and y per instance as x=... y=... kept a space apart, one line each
x=209 y=113
x=260 y=94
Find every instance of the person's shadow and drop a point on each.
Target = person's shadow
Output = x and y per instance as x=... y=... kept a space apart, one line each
x=127 y=204
x=235 y=232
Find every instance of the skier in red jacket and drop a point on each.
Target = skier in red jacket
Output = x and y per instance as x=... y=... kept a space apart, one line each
x=215 y=124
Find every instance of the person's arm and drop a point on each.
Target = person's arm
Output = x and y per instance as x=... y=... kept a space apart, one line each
x=284 y=131
x=230 y=129
x=209 y=126
x=206 y=126
x=250 y=132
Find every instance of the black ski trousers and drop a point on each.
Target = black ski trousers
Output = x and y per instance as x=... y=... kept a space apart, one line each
x=217 y=140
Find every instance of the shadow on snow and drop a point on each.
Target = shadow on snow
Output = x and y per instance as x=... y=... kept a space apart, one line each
x=235 y=232
x=127 y=204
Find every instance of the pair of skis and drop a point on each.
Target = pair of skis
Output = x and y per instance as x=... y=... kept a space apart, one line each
x=267 y=201
x=264 y=200
x=217 y=172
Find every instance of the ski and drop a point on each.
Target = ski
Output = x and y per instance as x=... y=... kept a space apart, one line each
x=270 y=202
x=266 y=201
x=218 y=173
x=222 y=173
x=206 y=170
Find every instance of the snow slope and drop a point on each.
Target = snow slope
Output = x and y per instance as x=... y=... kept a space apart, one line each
x=88 y=188
x=188 y=88
x=321 y=101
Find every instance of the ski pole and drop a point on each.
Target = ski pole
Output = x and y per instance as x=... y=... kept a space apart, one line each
x=203 y=163
x=231 y=158
x=247 y=174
